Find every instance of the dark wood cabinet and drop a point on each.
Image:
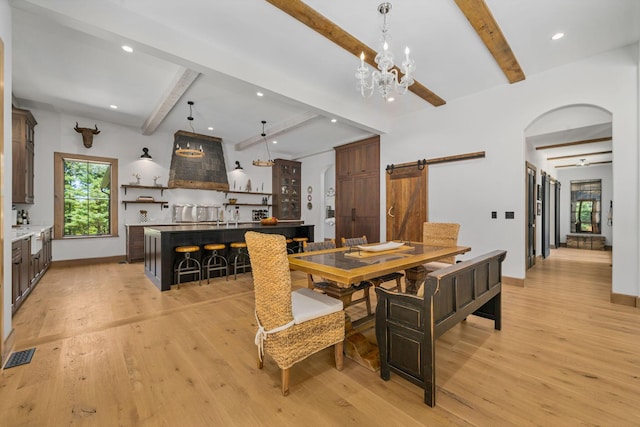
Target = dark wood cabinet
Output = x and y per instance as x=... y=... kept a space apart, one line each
x=27 y=268
x=20 y=271
x=286 y=189
x=358 y=189
x=23 y=125
x=135 y=243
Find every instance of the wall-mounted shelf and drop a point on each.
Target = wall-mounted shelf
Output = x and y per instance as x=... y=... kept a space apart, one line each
x=245 y=204
x=161 y=203
x=248 y=192
x=149 y=187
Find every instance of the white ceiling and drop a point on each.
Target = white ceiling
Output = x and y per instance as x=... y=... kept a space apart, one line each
x=67 y=57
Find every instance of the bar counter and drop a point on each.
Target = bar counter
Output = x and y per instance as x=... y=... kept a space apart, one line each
x=160 y=242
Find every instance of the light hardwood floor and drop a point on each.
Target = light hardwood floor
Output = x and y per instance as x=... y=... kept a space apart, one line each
x=111 y=350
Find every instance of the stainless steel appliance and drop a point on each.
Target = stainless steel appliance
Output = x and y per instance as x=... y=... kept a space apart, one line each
x=194 y=213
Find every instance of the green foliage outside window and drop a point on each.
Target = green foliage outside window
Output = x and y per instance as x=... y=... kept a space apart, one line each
x=87 y=198
x=585 y=206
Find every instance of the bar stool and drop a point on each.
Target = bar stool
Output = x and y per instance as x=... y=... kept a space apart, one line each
x=241 y=255
x=289 y=248
x=214 y=261
x=299 y=243
x=187 y=265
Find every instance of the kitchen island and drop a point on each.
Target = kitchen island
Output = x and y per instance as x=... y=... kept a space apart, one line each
x=160 y=242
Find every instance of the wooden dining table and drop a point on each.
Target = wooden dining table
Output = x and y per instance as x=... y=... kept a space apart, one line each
x=348 y=266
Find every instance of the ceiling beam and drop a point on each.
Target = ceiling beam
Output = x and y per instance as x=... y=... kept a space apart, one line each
x=590 y=164
x=323 y=26
x=183 y=79
x=580 y=155
x=483 y=22
x=569 y=144
x=277 y=129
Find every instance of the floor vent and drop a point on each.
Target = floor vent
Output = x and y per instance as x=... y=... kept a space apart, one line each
x=19 y=358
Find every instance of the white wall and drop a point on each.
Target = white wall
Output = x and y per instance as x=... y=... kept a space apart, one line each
x=313 y=172
x=494 y=121
x=6 y=167
x=55 y=133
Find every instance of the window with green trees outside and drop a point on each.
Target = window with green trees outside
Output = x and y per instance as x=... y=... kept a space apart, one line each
x=585 y=206
x=86 y=202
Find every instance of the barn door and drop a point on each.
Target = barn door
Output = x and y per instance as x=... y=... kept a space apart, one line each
x=406 y=203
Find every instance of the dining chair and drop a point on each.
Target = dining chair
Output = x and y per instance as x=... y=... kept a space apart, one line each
x=440 y=234
x=352 y=242
x=331 y=288
x=292 y=325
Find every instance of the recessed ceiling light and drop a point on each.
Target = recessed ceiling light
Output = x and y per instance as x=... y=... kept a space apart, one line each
x=391 y=99
x=275 y=142
x=259 y=93
x=557 y=36
x=210 y=128
x=127 y=49
x=113 y=107
x=333 y=120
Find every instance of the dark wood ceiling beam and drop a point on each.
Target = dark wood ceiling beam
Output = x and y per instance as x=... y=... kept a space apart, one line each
x=484 y=23
x=569 y=144
x=580 y=155
x=323 y=26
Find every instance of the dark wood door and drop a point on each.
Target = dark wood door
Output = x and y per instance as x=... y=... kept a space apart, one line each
x=556 y=209
x=531 y=216
x=406 y=203
x=546 y=210
x=358 y=189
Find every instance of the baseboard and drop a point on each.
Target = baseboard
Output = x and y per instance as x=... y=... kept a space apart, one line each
x=7 y=346
x=85 y=261
x=506 y=280
x=622 y=299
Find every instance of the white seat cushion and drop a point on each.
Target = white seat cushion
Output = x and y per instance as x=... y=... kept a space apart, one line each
x=436 y=265
x=307 y=304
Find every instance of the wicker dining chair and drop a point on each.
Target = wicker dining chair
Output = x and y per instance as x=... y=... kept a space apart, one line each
x=291 y=325
x=351 y=242
x=440 y=234
x=331 y=288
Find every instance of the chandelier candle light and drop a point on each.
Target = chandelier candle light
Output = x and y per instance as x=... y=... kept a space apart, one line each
x=264 y=163
x=187 y=151
x=386 y=77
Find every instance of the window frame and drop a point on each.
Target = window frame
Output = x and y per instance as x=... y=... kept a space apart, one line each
x=58 y=193
x=591 y=190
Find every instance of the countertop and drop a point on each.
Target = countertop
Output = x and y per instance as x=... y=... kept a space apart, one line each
x=197 y=226
x=22 y=231
x=218 y=225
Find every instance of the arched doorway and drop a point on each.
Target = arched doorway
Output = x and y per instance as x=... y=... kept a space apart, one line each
x=568 y=144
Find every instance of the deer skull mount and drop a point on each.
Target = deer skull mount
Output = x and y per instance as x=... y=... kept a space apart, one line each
x=87 y=135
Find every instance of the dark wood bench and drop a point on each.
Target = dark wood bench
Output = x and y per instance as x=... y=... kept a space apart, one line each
x=407 y=325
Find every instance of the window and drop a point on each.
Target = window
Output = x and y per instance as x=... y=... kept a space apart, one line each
x=86 y=197
x=585 y=206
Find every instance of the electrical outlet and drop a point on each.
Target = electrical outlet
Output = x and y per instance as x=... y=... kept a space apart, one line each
x=509 y=215
x=494 y=214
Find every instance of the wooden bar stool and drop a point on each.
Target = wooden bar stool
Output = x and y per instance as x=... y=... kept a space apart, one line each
x=299 y=241
x=214 y=261
x=187 y=265
x=241 y=255
x=289 y=248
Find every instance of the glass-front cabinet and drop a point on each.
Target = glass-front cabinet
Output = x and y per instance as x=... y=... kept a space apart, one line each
x=286 y=189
